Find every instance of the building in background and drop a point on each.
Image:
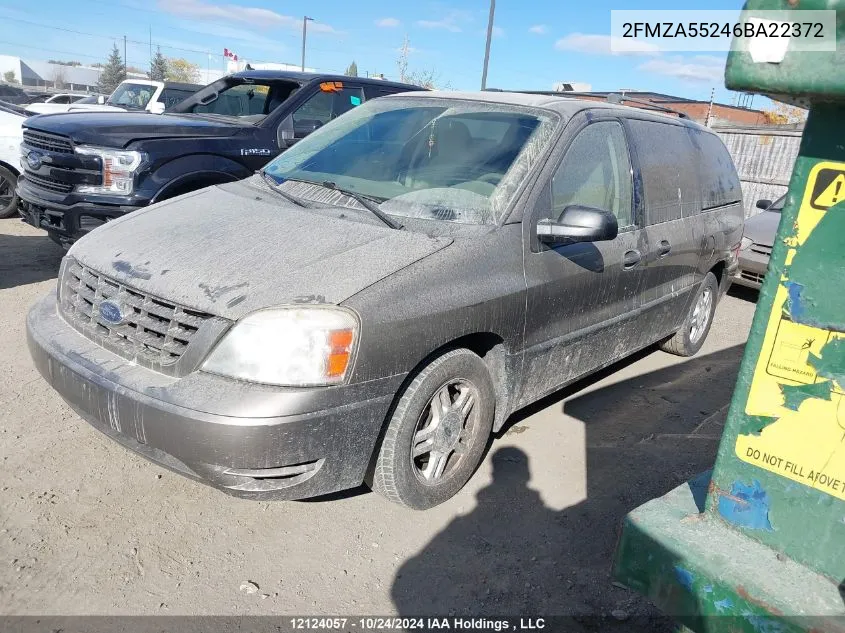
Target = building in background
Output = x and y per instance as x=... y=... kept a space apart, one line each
x=40 y=74
x=720 y=114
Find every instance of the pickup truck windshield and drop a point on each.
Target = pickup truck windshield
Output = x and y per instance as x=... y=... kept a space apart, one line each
x=132 y=96
x=421 y=157
x=245 y=99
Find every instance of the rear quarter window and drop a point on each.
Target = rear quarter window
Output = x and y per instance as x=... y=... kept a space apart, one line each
x=719 y=181
x=668 y=165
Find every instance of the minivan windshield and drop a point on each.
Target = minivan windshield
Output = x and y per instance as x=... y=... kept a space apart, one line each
x=420 y=157
x=132 y=96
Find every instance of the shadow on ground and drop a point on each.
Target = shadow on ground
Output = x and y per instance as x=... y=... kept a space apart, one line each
x=27 y=259
x=744 y=293
x=512 y=555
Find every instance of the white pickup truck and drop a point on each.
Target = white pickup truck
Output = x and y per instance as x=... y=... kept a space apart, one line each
x=131 y=94
x=11 y=135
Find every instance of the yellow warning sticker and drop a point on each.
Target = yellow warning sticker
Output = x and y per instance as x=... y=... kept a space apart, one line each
x=801 y=413
x=828 y=188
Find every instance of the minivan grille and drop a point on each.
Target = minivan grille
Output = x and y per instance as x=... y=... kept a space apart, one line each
x=151 y=329
x=46 y=182
x=49 y=142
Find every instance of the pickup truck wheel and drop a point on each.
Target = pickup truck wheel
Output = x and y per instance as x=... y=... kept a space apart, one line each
x=8 y=197
x=689 y=339
x=437 y=434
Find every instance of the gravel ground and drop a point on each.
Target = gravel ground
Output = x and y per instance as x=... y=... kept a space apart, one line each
x=88 y=528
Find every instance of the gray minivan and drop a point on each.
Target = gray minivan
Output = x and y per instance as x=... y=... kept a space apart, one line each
x=382 y=296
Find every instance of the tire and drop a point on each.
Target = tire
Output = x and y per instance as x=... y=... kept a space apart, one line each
x=455 y=441
x=8 y=197
x=689 y=339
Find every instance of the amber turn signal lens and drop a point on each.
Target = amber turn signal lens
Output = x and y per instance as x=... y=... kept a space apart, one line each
x=340 y=345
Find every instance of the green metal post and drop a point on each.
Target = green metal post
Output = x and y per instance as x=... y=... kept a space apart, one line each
x=759 y=544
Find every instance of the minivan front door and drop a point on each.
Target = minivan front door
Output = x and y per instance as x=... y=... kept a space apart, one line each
x=582 y=297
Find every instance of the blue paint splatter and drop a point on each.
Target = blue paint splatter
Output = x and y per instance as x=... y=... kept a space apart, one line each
x=763 y=624
x=795 y=302
x=684 y=577
x=723 y=605
x=708 y=589
x=747 y=506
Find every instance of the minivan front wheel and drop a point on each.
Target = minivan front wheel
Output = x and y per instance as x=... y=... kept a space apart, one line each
x=689 y=339
x=437 y=434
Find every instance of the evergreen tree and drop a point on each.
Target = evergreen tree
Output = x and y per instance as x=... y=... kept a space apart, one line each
x=352 y=69
x=114 y=71
x=158 y=67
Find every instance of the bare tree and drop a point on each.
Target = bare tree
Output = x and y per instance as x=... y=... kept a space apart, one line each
x=58 y=77
x=428 y=78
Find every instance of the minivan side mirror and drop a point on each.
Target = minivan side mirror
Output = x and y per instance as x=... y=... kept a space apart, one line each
x=578 y=223
x=157 y=107
x=763 y=204
x=101 y=100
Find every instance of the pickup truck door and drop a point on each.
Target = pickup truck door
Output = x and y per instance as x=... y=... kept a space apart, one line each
x=582 y=297
x=324 y=102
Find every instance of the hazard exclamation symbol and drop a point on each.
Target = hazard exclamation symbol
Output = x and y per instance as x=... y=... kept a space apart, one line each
x=825 y=196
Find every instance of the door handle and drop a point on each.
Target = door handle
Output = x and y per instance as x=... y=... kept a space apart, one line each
x=663 y=248
x=630 y=259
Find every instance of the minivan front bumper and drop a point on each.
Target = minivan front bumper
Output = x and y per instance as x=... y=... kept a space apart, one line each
x=280 y=457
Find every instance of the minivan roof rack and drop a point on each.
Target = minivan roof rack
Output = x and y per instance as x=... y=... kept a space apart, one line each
x=610 y=97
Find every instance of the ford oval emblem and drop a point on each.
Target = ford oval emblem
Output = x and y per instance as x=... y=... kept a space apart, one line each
x=110 y=312
x=34 y=160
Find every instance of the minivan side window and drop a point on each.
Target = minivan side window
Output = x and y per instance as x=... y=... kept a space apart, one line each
x=325 y=106
x=719 y=180
x=596 y=172
x=668 y=164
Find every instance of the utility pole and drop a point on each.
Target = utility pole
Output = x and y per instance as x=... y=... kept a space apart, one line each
x=710 y=108
x=125 y=69
x=487 y=48
x=305 y=20
x=151 y=49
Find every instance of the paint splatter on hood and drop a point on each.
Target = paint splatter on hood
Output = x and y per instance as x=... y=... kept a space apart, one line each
x=234 y=249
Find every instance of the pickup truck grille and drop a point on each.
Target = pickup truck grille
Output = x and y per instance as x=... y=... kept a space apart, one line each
x=152 y=331
x=51 y=184
x=48 y=142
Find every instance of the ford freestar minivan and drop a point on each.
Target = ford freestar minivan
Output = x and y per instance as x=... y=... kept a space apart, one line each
x=381 y=297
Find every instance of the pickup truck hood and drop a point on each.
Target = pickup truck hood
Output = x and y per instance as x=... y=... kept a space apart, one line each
x=119 y=128
x=236 y=248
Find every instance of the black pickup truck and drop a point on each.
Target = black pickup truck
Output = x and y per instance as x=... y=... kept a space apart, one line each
x=83 y=169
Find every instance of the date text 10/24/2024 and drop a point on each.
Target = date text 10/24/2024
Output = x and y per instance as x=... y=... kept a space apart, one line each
x=410 y=624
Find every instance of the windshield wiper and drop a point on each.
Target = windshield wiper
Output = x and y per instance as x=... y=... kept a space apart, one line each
x=275 y=187
x=365 y=202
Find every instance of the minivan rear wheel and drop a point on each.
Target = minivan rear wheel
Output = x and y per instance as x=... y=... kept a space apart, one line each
x=437 y=434
x=689 y=339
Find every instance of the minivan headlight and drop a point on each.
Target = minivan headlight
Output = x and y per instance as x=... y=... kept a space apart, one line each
x=297 y=346
x=119 y=167
x=745 y=243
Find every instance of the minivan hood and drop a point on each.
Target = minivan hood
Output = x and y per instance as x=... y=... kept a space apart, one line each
x=233 y=249
x=118 y=129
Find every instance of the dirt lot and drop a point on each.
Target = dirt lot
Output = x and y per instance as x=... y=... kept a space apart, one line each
x=89 y=528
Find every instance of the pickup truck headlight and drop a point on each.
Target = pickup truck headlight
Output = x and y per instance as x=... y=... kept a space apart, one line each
x=119 y=167
x=294 y=346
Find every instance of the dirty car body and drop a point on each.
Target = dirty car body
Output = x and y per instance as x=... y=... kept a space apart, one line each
x=188 y=330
